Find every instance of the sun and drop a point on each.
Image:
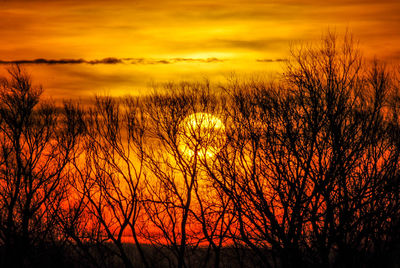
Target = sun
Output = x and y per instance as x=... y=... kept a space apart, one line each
x=202 y=135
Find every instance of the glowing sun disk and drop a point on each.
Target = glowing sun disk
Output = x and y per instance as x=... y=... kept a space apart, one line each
x=202 y=134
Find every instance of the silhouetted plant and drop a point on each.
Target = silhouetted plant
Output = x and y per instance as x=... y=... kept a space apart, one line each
x=110 y=181
x=178 y=136
x=299 y=172
x=312 y=167
x=37 y=142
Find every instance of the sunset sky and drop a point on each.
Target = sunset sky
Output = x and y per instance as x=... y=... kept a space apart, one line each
x=122 y=47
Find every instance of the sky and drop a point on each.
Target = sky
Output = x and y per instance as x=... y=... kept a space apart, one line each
x=78 y=49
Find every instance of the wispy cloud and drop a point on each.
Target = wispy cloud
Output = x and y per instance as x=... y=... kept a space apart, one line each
x=63 y=61
x=112 y=60
x=271 y=60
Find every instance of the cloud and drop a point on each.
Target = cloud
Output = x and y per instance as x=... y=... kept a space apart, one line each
x=111 y=60
x=63 y=61
x=207 y=60
x=106 y=61
x=271 y=60
x=172 y=60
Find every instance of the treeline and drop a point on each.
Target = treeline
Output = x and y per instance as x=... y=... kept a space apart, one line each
x=299 y=172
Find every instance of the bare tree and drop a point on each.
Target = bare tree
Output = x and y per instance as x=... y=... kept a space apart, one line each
x=301 y=172
x=110 y=181
x=37 y=142
x=355 y=180
x=312 y=168
x=180 y=130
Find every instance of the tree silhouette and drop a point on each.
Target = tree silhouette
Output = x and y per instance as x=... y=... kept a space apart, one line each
x=37 y=143
x=312 y=167
x=178 y=135
x=298 y=172
x=110 y=182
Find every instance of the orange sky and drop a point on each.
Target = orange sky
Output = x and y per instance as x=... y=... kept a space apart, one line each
x=157 y=41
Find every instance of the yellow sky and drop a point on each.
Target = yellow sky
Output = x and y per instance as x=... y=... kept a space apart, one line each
x=157 y=41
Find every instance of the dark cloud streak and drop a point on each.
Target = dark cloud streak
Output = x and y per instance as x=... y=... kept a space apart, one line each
x=111 y=60
x=271 y=60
